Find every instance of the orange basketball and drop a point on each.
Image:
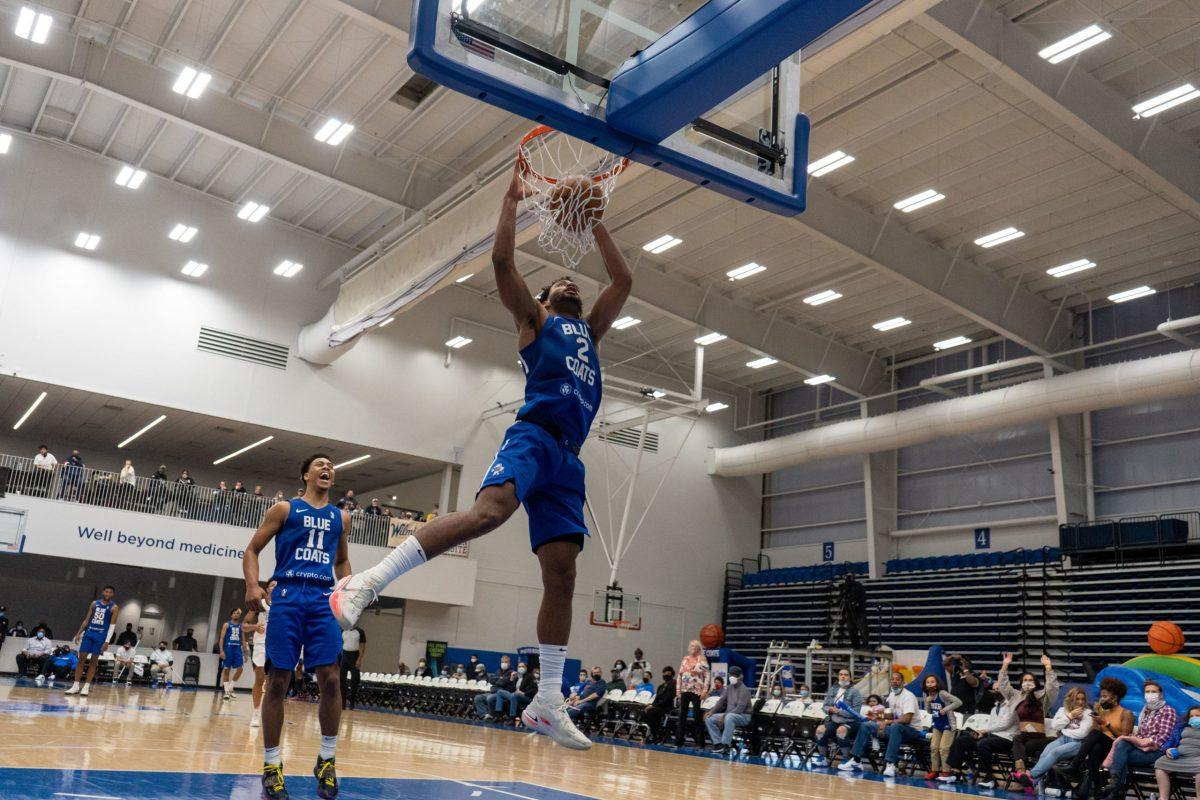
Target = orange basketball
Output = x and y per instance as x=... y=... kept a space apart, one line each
x=1165 y=638
x=576 y=202
x=712 y=636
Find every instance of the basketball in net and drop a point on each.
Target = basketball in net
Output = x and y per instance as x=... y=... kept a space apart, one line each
x=570 y=183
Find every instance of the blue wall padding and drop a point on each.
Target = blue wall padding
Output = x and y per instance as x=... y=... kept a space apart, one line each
x=717 y=51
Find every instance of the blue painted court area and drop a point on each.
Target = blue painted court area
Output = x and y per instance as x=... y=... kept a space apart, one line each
x=62 y=784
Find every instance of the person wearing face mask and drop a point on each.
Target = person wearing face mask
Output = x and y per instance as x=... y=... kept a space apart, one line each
x=940 y=705
x=123 y=662
x=645 y=683
x=59 y=665
x=1109 y=722
x=1155 y=726
x=692 y=685
x=505 y=680
x=636 y=667
x=838 y=724
x=161 y=662
x=1071 y=723
x=1031 y=705
x=897 y=729
x=37 y=650
x=589 y=694
x=577 y=687
x=514 y=701
x=731 y=712
x=1183 y=758
x=984 y=743
x=423 y=670
x=660 y=707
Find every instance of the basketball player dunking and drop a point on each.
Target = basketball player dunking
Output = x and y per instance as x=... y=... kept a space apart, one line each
x=95 y=631
x=311 y=549
x=538 y=463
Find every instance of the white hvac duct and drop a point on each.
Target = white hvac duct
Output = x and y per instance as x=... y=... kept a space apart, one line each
x=1128 y=383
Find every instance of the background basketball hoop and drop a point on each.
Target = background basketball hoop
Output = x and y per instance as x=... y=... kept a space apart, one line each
x=612 y=608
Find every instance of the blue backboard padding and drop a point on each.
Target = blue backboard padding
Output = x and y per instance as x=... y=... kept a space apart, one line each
x=717 y=51
x=542 y=108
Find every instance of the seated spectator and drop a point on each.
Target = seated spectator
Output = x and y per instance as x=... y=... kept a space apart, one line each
x=577 y=687
x=1109 y=722
x=402 y=669
x=660 y=706
x=505 y=680
x=423 y=670
x=186 y=642
x=940 y=705
x=589 y=695
x=896 y=729
x=348 y=503
x=803 y=692
x=718 y=687
x=123 y=657
x=480 y=673
x=730 y=712
x=1031 y=704
x=514 y=701
x=37 y=650
x=1183 y=758
x=374 y=509
x=41 y=626
x=985 y=743
x=460 y=672
x=59 y=666
x=616 y=683
x=1143 y=747
x=161 y=668
x=18 y=629
x=1071 y=724
x=839 y=723
x=128 y=636
x=645 y=683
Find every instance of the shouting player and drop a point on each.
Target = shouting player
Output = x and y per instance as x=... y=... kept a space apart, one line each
x=538 y=463
x=95 y=631
x=231 y=653
x=311 y=551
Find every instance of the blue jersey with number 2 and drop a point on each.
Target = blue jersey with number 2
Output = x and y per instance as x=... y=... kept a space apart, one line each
x=562 y=379
x=307 y=544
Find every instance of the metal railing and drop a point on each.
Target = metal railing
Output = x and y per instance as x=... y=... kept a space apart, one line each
x=174 y=498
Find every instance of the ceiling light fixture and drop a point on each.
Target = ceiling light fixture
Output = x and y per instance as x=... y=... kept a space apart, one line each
x=130 y=177
x=87 y=241
x=658 y=394
x=182 y=233
x=1076 y=43
x=458 y=342
x=919 y=200
x=999 y=237
x=33 y=25
x=1160 y=103
x=745 y=271
x=333 y=132
x=817 y=380
x=1131 y=294
x=710 y=338
x=821 y=298
x=352 y=461
x=287 y=269
x=1070 y=268
x=626 y=322
x=955 y=341
x=5 y=143
x=892 y=324
x=827 y=164
x=248 y=447
x=194 y=269
x=465 y=278
x=387 y=322
x=253 y=212
x=161 y=417
x=713 y=408
x=759 y=363
x=30 y=410
x=662 y=244
x=191 y=82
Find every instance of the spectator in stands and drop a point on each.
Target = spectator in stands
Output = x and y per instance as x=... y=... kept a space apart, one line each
x=480 y=672
x=41 y=626
x=423 y=670
x=964 y=683
x=158 y=487
x=693 y=685
x=589 y=695
x=128 y=636
x=514 y=700
x=432 y=515
x=1109 y=722
x=161 y=665
x=239 y=504
x=940 y=705
x=258 y=492
x=1183 y=758
x=577 y=687
x=1031 y=704
x=44 y=464
x=18 y=629
x=1155 y=727
x=127 y=482
x=731 y=712
x=72 y=476
x=186 y=642
x=374 y=509
x=505 y=680
x=1071 y=724
x=616 y=683
x=897 y=729
x=460 y=671
x=984 y=743
x=839 y=723
x=123 y=661
x=354 y=650
x=59 y=666
x=645 y=683
x=637 y=666
x=718 y=687
x=279 y=498
x=37 y=650
x=184 y=488
x=348 y=503
x=471 y=663
x=660 y=706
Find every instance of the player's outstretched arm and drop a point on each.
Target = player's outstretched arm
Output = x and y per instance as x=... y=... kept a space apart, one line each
x=514 y=293
x=610 y=302
x=272 y=521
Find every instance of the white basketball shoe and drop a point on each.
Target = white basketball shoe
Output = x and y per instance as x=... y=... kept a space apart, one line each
x=550 y=717
x=350 y=597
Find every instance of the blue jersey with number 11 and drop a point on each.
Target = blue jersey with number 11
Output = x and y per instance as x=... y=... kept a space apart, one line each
x=562 y=380
x=307 y=544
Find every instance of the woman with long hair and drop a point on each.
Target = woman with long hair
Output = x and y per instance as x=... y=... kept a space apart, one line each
x=692 y=683
x=1072 y=723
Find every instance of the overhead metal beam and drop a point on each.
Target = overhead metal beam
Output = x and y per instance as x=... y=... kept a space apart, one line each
x=1155 y=155
x=386 y=17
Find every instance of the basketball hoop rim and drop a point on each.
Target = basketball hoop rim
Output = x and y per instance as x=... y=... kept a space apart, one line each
x=543 y=130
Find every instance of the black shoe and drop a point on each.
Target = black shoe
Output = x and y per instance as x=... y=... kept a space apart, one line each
x=272 y=782
x=721 y=749
x=326 y=774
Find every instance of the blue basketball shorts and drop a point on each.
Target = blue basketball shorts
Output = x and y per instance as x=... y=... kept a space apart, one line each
x=233 y=658
x=301 y=620
x=549 y=480
x=92 y=643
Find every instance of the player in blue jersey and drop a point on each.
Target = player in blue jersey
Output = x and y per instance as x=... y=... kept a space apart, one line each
x=97 y=628
x=538 y=462
x=311 y=552
x=231 y=652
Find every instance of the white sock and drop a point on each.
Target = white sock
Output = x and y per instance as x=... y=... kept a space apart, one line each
x=272 y=755
x=409 y=555
x=328 y=743
x=552 y=657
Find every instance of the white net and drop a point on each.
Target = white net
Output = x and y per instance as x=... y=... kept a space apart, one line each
x=570 y=183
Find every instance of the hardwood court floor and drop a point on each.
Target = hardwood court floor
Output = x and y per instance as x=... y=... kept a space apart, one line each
x=135 y=744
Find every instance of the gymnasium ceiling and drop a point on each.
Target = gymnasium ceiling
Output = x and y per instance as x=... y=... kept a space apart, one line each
x=953 y=97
